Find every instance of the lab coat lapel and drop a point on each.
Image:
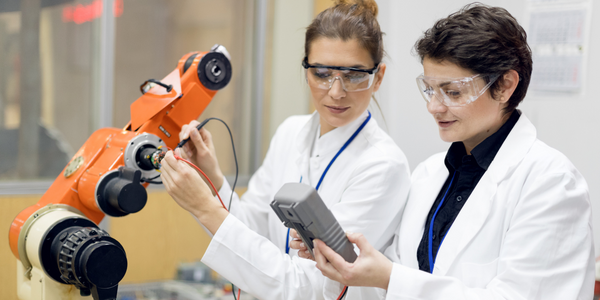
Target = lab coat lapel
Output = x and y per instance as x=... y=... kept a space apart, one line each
x=515 y=147
x=304 y=141
x=468 y=222
x=421 y=197
x=472 y=217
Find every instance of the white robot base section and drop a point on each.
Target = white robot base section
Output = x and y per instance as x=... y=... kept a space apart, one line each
x=34 y=283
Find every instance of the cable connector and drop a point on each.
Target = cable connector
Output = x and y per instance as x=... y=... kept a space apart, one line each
x=156 y=157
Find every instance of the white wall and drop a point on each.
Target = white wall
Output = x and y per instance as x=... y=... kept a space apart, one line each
x=567 y=124
x=289 y=94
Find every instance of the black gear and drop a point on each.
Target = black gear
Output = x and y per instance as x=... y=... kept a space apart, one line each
x=91 y=260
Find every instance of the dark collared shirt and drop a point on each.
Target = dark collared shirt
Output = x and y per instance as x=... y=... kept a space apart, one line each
x=465 y=171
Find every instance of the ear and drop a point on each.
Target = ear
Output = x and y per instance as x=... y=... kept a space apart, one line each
x=379 y=77
x=508 y=83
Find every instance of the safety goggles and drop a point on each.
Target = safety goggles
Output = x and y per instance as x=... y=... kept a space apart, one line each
x=352 y=79
x=455 y=91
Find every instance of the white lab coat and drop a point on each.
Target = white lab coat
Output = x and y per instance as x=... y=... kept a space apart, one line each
x=524 y=233
x=365 y=188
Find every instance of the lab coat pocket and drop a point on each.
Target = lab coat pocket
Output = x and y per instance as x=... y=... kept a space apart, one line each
x=479 y=275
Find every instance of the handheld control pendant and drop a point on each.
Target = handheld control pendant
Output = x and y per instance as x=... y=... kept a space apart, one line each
x=299 y=207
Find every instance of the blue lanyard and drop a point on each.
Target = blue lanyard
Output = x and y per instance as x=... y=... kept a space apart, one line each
x=430 y=237
x=287 y=239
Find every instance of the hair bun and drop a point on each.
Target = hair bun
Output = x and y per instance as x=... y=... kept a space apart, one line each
x=370 y=5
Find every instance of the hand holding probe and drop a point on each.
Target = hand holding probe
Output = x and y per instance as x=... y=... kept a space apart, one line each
x=198 y=128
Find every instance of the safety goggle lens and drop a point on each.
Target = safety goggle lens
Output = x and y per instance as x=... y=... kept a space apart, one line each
x=351 y=80
x=453 y=91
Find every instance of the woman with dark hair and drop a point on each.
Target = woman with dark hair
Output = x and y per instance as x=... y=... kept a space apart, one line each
x=500 y=215
x=357 y=169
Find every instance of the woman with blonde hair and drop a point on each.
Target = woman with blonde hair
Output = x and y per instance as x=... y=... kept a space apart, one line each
x=357 y=169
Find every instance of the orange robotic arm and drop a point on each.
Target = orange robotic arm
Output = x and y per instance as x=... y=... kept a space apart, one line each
x=58 y=236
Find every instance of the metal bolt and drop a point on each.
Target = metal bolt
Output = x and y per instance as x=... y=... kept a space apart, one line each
x=100 y=174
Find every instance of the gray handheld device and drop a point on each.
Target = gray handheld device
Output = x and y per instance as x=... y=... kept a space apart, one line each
x=299 y=207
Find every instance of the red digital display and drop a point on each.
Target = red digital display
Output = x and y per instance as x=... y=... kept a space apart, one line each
x=81 y=13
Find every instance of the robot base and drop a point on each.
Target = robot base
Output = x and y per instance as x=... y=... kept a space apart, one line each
x=42 y=287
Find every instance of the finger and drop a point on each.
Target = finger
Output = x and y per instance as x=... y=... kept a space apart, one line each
x=334 y=259
x=194 y=123
x=197 y=138
x=184 y=152
x=185 y=170
x=323 y=265
x=360 y=241
x=165 y=177
x=188 y=150
x=319 y=258
x=294 y=234
x=302 y=247
x=186 y=129
x=206 y=135
x=169 y=161
x=303 y=254
x=199 y=143
x=175 y=167
x=183 y=134
x=306 y=254
x=298 y=245
x=177 y=152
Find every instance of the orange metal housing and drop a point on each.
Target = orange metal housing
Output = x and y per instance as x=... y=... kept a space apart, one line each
x=161 y=115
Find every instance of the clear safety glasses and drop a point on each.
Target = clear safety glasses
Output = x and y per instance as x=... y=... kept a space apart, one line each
x=352 y=79
x=455 y=91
